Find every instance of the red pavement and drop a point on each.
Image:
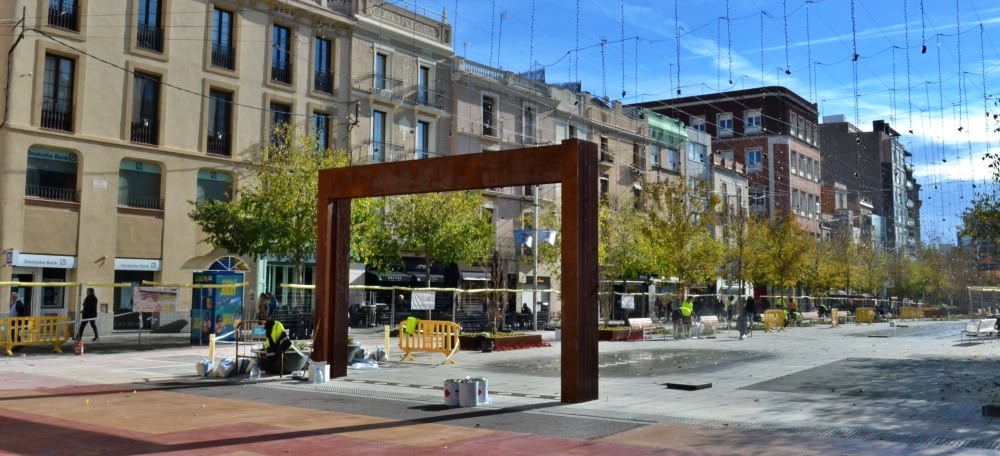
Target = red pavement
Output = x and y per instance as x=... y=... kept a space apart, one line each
x=47 y=415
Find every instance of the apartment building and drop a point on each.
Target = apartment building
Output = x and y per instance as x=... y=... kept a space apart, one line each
x=104 y=146
x=769 y=130
x=873 y=164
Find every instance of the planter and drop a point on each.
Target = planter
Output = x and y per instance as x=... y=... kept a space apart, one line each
x=616 y=335
x=471 y=341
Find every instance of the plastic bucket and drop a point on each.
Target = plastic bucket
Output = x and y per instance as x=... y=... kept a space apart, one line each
x=482 y=390
x=451 y=392
x=324 y=370
x=467 y=392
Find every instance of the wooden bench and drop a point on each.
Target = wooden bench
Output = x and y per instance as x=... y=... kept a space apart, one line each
x=978 y=328
x=430 y=336
x=22 y=331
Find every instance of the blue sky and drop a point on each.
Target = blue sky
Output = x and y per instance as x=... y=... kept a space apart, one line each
x=933 y=93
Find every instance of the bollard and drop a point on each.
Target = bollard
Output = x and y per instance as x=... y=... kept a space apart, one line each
x=482 y=390
x=211 y=347
x=467 y=392
x=386 y=341
x=451 y=392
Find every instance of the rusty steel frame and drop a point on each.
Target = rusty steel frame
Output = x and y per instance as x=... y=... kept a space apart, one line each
x=574 y=164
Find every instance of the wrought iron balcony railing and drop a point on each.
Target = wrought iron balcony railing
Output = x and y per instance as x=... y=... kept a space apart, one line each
x=150 y=38
x=223 y=56
x=145 y=131
x=52 y=193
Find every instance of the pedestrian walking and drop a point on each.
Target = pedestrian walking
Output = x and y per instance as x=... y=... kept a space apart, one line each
x=89 y=315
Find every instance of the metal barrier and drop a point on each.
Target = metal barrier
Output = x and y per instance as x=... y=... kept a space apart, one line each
x=774 y=318
x=864 y=315
x=430 y=336
x=911 y=313
x=23 y=331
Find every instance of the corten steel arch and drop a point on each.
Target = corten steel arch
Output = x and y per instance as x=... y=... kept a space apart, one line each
x=572 y=163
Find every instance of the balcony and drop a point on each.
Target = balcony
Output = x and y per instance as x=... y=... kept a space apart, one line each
x=607 y=158
x=223 y=56
x=145 y=131
x=378 y=152
x=419 y=154
x=379 y=85
x=52 y=193
x=150 y=38
x=426 y=97
x=140 y=202
x=323 y=81
x=218 y=144
x=64 y=20
x=282 y=73
x=57 y=114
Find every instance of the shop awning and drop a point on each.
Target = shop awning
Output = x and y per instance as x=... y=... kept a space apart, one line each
x=392 y=276
x=422 y=277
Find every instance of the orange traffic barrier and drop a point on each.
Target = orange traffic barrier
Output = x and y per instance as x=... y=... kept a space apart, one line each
x=911 y=313
x=23 y=331
x=834 y=318
x=430 y=336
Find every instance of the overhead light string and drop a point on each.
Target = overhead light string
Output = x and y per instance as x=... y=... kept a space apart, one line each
x=909 y=93
x=854 y=62
x=493 y=23
x=622 y=23
x=812 y=88
x=784 y=14
x=986 y=106
x=677 y=45
x=923 y=30
x=729 y=46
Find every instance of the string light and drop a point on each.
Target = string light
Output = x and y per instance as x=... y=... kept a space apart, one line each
x=677 y=45
x=909 y=93
x=784 y=13
x=729 y=38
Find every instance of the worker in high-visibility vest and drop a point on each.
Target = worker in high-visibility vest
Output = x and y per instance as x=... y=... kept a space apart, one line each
x=687 y=309
x=276 y=344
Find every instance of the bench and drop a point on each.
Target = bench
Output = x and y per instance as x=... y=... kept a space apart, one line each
x=984 y=327
x=24 y=331
x=708 y=321
x=430 y=336
x=810 y=316
x=640 y=324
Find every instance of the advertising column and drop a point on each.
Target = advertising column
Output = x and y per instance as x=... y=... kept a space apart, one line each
x=215 y=310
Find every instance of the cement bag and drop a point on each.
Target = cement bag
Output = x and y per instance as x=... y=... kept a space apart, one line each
x=203 y=368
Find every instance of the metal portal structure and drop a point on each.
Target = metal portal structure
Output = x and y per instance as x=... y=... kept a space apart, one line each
x=573 y=163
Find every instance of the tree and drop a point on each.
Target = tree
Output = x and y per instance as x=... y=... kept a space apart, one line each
x=873 y=271
x=981 y=220
x=738 y=230
x=624 y=250
x=781 y=250
x=443 y=228
x=274 y=213
x=680 y=219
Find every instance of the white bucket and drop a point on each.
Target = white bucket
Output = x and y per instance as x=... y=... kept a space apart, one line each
x=558 y=334
x=323 y=367
x=467 y=392
x=451 y=392
x=482 y=390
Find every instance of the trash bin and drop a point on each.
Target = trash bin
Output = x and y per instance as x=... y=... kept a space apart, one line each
x=482 y=390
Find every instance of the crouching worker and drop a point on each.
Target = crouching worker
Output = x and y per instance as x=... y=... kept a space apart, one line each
x=276 y=344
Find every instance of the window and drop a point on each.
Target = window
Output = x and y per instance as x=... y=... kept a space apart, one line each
x=638 y=157
x=673 y=160
x=696 y=152
x=139 y=185
x=529 y=125
x=214 y=185
x=795 y=201
x=423 y=139
x=605 y=186
x=752 y=122
x=220 y=122
x=606 y=151
x=489 y=116
x=793 y=120
x=423 y=85
x=698 y=123
x=758 y=200
x=725 y=123
x=281 y=55
x=223 y=53
x=323 y=77
x=321 y=130
x=376 y=154
x=381 y=71
x=281 y=116
x=51 y=175
x=727 y=155
x=149 y=34
x=809 y=167
x=755 y=160
x=145 y=108
x=64 y=14
x=654 y=155
x=57 y=93
x=793 y=164
x=802 y=165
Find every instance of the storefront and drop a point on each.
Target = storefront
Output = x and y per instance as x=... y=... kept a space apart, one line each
x=35 y=268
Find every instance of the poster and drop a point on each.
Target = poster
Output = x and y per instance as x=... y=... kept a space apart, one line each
x=154 y=299
x=628 y=302
x=422 y=300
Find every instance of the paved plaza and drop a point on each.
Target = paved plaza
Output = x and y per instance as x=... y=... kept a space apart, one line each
x=912 y=389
